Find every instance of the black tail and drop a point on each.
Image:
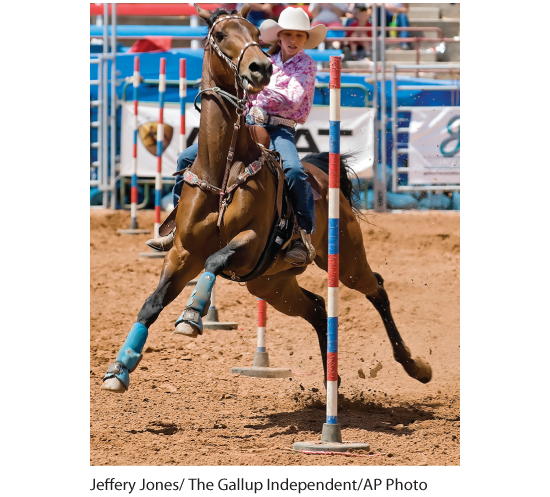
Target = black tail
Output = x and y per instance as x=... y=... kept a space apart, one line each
x=320 y=160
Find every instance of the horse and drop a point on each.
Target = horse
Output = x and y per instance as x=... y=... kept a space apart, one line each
x=228 y=238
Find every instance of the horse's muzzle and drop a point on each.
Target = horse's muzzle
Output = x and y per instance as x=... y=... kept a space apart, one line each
x=258 y=74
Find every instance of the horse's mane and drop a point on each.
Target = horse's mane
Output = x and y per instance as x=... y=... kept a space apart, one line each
x=347 y=173
x=217 y=13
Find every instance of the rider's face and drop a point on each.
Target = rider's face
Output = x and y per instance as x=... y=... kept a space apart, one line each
x=292 y=41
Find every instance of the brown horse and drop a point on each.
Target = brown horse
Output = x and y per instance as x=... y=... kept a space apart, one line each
x=234 y=63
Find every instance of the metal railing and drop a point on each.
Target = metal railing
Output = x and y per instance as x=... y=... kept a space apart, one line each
x=105 y=165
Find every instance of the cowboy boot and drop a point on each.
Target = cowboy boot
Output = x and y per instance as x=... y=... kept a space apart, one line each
x=162 y=243
x=301 y=251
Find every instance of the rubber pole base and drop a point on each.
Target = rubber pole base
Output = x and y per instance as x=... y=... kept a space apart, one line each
x=331 y=446
x=216 y=325
x=259 y=372
x=133 y=232
x=331 y=441
x=153 y=255
x=261 y=360
x=211 y=322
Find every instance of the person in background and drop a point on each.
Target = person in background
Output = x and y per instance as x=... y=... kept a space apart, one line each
x=361 y=17
x=400 y=11
x=259 y=12
x=328 y=14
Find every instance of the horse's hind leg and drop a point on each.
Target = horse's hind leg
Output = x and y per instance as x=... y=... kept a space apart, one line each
x=356 y=274
x=176 y=272
x=416 y=368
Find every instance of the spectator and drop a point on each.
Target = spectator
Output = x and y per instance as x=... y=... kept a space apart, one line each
x=361 y=17
x=259 y=12
x=329 y=14
x=399 y=11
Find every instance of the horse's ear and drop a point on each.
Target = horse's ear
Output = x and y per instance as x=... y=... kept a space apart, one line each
x=245 y=9
x=205 y=14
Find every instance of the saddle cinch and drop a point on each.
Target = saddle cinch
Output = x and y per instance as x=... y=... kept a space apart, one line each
x=282 y=230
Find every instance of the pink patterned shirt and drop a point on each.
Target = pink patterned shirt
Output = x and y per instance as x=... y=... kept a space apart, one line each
x=289 y=93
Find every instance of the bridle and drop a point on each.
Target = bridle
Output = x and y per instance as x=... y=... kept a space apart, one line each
x=238 y=103
x=189 y=177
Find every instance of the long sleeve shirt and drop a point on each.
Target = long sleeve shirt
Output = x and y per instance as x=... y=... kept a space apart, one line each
x=290 y=91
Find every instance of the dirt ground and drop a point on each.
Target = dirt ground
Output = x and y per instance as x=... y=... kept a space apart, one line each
x=184 y=407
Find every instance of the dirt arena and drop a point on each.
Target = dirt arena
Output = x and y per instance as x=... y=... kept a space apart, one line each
x=184 y=407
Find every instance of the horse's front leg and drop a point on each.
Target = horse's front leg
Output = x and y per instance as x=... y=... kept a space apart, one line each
x=236 y=255
x=178 y=269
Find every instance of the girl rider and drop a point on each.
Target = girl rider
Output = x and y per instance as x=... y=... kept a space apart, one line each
x=283 y=103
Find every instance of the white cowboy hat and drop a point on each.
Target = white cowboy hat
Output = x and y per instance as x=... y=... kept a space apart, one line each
x=293 y=19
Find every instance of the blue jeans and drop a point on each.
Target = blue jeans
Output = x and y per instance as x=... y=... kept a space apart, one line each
x=282 y=141
x=185 y=159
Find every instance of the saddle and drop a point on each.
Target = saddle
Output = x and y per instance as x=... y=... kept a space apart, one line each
x=282 y=230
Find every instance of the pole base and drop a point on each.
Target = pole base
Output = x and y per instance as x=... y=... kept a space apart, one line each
x=216 y=325
x=153 y=255
x=331 y=441
x=211 y=321
x=260 y=372
x=133 y=232
x=261 y=360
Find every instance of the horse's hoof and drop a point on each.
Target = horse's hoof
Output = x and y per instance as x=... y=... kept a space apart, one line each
x=113 y=385
x=418 y=369
x=187 y=329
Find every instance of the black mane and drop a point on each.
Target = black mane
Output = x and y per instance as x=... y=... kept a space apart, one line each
x=217 y=13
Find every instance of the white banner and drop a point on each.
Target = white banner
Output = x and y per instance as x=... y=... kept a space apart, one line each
x=434 y=146
x=356 y=135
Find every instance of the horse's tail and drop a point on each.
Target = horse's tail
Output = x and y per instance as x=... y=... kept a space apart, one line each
x=320 y=160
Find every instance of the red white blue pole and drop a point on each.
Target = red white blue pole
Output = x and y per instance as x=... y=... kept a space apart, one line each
x=183 y=96
x=134 y=190
x=160 y=139
x=333 y=240
x=262 y=318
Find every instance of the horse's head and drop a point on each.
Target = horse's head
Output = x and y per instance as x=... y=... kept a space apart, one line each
x=234 y=41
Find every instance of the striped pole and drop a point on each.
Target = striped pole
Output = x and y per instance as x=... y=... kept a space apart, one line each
x=262 y=318
x=134 y=229
x=260 y=367
x=134 y=191
x=160 y=139
x=333 y=239
x=183 y=96
x=331 y=436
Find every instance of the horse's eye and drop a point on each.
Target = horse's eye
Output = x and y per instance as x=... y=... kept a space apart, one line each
x=219 y=36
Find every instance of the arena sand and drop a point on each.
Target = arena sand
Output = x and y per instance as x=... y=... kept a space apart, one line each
x=184 y=407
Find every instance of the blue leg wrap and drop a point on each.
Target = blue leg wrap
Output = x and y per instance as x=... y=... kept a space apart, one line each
x=129 y=355
x=201 y=293
x=198 y=300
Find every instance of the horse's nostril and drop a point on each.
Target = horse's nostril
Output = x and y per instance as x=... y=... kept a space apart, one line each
x=255 y=67
x=263 y=69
